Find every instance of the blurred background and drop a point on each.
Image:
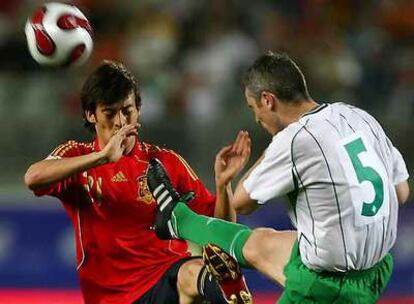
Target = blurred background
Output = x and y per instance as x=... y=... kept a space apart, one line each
x=188 y=57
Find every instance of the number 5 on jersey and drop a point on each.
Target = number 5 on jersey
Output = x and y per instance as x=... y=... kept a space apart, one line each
x=367 y=178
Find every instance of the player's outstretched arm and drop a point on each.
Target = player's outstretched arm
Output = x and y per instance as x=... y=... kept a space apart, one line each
x=49 y=171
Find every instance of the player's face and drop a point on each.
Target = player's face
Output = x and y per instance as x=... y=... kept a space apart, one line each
x=263 y=112
x=110 y=118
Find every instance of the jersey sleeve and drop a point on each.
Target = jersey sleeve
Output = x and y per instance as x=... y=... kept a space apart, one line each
x=185 y=179
x=272 y=177
x=58 y=189
x=399 y=169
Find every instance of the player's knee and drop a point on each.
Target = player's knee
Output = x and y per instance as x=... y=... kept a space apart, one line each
x=257 y=246
x=187 y=277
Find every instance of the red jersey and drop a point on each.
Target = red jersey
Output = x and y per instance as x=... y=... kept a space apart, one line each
x=119 y=258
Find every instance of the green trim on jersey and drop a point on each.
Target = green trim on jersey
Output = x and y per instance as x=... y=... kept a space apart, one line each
x=304 y=285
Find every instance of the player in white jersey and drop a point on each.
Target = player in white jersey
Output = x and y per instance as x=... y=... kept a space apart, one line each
x=344 y=179
x=346 y=169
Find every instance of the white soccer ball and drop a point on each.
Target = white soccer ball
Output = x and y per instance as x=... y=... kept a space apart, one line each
x=59 y=35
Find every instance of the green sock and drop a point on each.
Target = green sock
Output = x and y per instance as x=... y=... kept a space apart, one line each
x=201 y=230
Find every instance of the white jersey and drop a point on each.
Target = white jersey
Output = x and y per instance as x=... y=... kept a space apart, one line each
x=341 y=168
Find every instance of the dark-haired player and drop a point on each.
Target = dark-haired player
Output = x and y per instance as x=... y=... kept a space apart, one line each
x=103 y=187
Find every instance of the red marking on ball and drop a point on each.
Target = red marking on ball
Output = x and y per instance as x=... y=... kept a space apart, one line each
x=38 y=15
x=70 y=22
x=44 y=43
x=76 y=53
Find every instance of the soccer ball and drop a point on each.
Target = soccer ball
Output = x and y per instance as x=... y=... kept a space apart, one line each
x=59 y=35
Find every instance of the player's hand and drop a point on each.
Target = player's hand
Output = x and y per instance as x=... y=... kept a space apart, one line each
x=231 y=159
x=117 y=144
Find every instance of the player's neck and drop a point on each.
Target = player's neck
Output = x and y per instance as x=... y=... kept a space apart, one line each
x=293 y=113
x=309 y=106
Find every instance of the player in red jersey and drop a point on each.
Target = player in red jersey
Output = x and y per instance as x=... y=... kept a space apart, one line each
x=103 y=188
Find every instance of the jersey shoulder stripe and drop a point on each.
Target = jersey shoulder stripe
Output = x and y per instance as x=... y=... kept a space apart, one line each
x=71 y=148
x=186 y=165
x=153 y=151
x=149 y=148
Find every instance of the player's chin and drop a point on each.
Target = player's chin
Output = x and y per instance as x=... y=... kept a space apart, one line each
x=272 y=130
x=267 y=129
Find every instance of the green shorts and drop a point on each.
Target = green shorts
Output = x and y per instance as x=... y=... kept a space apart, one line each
x=307 y=286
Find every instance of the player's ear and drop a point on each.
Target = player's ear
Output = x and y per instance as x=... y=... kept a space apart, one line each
x=269 y=100
x=90 y=116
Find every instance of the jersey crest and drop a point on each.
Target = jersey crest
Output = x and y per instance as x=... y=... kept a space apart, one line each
x=144 y=193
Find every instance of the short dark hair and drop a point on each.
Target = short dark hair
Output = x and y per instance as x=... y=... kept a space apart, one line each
x=278 y=74
x=110 y=83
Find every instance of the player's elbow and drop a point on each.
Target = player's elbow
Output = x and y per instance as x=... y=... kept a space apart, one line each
x=32 y=178
x=241 y=209
x=403 y=192
x=242 y=203
x=245 y=210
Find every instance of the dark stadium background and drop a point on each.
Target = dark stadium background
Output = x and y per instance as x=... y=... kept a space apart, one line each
x=188 y=56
